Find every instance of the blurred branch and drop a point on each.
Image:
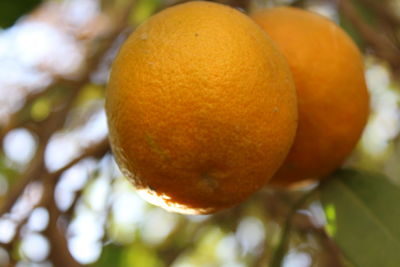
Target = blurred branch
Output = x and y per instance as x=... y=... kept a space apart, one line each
x=97 y=150
x=34 y=170
x=36 y=167
x=303 y=224
x=56 y=120
x=170 y=253
x=282 y=246
x=243 y=4
x=60 y=255
x=389 y=20
x=298 y=3
x=59 y=252
x=99 y=45
x=381 y=8
x=382 y=46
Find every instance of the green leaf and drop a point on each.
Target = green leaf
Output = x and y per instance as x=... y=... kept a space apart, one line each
x=363 y=217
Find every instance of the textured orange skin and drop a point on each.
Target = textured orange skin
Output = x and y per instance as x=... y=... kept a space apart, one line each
x=194 y=121
x=332 y=96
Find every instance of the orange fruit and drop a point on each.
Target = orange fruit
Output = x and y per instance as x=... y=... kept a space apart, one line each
x=333 y=101
x=201 y=108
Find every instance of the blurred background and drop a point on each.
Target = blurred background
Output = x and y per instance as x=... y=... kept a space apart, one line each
x=63 y=201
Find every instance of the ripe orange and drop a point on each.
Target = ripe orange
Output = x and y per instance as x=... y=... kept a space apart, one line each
x=332 y=96
x=201 y=108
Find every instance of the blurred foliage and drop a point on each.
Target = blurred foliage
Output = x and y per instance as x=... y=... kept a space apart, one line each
x=11 y=10
x=349 y=28
x=367 y=15
x=52 y=158
x=40 y=109
x=143 y=10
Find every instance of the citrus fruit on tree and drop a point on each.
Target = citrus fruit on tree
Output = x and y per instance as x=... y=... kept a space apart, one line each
x=201 y=108
x=333 y=101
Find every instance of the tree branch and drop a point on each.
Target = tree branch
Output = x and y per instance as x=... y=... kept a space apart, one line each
x=60 y=255
x=382 y=46
x=381 y=9
x=54 y=122
x=284 y=239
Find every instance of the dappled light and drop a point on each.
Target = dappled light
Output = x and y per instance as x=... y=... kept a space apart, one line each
x=19 y=146
x=63 y=199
